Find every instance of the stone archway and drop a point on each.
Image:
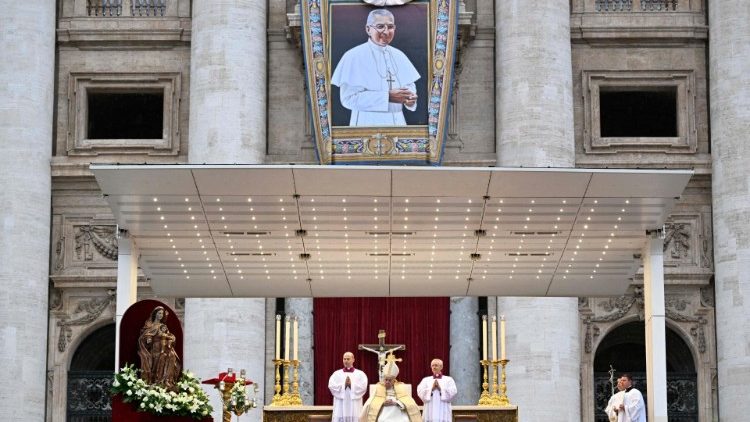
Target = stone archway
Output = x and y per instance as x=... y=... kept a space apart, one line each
x=90 y=377
x=624 y=348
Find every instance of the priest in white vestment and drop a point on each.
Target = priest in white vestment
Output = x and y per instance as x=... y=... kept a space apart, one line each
x=348 y=385
x=632 y=408
x=376 y=80
x=391 y=401
x=613 y=406
x=436 y=392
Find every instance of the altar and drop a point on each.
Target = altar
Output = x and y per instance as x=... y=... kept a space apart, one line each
x=323 y=413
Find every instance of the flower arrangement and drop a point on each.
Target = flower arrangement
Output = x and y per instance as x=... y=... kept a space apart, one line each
x=188 y=400
x=239 y=402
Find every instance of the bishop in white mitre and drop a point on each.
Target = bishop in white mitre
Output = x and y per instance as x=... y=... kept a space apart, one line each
x=436 y=392
x=377 y=80
x=348 y=385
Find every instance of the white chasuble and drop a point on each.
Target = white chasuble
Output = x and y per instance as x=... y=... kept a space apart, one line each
x=347 y=402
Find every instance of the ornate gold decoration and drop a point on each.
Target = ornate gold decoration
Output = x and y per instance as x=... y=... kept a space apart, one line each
x=286 y=392
x=494 y=389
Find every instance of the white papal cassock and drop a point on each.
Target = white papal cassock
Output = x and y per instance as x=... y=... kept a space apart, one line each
x=347 y=402
x=437 y=403
x=365 y=74
x=635 y=407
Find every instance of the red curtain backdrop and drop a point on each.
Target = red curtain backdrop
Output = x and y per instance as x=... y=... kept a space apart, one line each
x=422 y=324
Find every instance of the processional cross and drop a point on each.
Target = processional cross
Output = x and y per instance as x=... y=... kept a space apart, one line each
x=382 y=350
x=612 y=378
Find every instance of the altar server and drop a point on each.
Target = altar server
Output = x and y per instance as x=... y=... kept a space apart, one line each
x=347 y=386
x=437 y=391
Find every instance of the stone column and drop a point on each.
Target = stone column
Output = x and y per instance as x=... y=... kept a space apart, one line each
x=227 y=125
x=535 y=129
x=27 y=34
x=729 y=55
x=464 y=349
x=228 y=82
x=534 y=84
x=302 y=308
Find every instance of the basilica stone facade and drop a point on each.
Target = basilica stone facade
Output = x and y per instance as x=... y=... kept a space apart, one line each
x=557 y=83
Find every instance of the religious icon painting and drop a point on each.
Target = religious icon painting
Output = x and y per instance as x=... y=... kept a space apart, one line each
x=379 y=78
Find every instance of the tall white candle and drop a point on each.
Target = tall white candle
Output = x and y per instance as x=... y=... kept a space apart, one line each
x=286 y=338
x=296 y=337
x=502 y=337
x=494 y=337
x=278 y=337
x=484 y=337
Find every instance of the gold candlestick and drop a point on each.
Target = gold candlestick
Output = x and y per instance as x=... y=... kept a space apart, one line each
x=495 y=384
x=226 y=415
x=484 y=398
x=285 y=393
x=277 y=398
x=294 y=397
x=503 y=399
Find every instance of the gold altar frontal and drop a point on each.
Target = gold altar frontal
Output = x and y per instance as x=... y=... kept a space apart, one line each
x=323 y=413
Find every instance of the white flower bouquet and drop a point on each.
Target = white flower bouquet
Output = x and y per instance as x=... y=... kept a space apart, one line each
x=188 y=400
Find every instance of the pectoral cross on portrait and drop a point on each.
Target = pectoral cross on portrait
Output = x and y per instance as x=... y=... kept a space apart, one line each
x=382 y=350
x=390 y=79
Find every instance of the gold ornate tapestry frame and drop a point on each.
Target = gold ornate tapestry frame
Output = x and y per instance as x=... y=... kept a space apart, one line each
x=415 y=144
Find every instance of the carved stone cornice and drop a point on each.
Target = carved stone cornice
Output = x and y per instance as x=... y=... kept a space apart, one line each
x=615 y=308
x=103 y=239
x=675 y=309
x=85 y=313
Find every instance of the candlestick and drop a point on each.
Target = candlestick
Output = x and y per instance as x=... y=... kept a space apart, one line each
x=484 y=337
x=494 y=337
x=296 y=337
x=502 y=337
x=286 y=337
x=278 y=337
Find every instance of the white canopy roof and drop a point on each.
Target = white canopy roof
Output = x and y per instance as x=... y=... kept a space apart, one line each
x=293 y=231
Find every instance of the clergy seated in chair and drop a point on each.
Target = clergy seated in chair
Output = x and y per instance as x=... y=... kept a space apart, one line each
x=392 y=401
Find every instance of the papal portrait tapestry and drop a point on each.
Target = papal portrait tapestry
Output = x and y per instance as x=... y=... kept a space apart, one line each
x=379 y=79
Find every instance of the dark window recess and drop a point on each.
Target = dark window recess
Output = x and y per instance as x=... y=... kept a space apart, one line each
x=643 y=113
x=125 y=115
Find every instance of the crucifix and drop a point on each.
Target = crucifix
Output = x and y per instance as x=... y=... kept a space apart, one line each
x=382 y=350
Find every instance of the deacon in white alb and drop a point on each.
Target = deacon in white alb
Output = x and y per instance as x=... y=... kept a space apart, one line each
x=347 y=386
x=437 y=391
x=632 y=408
x=376 y=79
x=614 y=403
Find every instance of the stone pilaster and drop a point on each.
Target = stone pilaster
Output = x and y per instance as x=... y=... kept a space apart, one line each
x=27 y=34
x=464 y=351
x=535 y=129
x=302 y=308
x=227 y=125
x=729 y=55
